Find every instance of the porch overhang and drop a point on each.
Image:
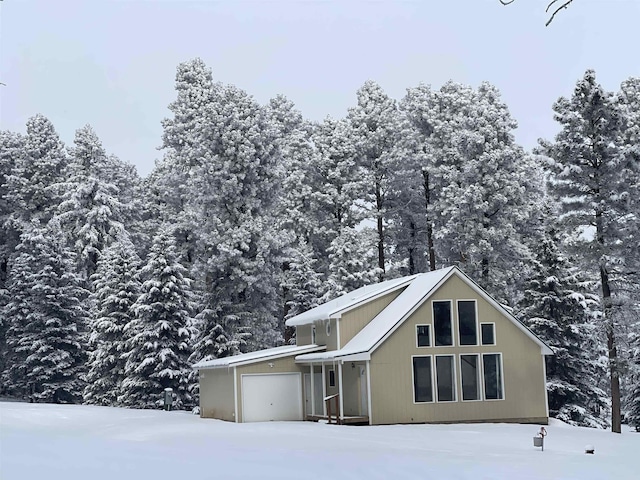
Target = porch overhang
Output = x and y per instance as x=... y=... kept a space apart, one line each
x=334 y=356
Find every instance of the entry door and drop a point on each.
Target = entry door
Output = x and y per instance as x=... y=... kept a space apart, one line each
x=269 y=397
x=364 y=399
x=317 y=392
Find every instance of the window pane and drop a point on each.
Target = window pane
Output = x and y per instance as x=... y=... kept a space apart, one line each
x=442 y=323
x=470 y=380
x=445 y=379
x=492 y=377
x=467 y=323
x=422 y=389
x=332 y=378
x=487 y=334
x=423 y=336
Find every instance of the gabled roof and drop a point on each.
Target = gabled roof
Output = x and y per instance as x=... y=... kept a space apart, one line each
x=258 y=356
x=420 y=288
x=336 y=307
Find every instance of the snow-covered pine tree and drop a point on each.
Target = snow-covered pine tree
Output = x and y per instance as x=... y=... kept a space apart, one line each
x=116 y=289
x=38 y=172
x=47 y=319
x=91 y=213
x=558 y=307
x=160 y=335
x=375 y=122
x=592 y=179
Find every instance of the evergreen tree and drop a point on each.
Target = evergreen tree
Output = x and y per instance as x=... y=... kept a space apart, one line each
x=557 y=308
x=593 y=178
x=91 y=212
x=159 y=337
x=116 y=289
x=47 y=313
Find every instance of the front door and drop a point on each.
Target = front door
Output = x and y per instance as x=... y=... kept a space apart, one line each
x=364 y=400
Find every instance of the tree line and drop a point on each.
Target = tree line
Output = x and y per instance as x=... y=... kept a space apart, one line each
x=112 y=285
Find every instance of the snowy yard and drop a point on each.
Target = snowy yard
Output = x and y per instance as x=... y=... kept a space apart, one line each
x=53 y=442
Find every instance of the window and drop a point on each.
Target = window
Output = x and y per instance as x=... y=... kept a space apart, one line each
x=313 y=334
x=332 y=378
x=469 y=370
x=492 y=364
x=445 y=378
x=422 y=386
x=488 y=333
x=467 y=327
x=423 y=337
x=328 y=328
x=442 y=323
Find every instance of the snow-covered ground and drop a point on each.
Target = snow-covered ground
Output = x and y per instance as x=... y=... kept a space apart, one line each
x=50 y=442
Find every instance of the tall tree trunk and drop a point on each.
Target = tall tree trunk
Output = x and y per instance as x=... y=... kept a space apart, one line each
x=380 y=229
x=607 y=312
x=427 y=199
x=412 y=234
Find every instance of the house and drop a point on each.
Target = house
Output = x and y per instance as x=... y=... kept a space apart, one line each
x=428 y=348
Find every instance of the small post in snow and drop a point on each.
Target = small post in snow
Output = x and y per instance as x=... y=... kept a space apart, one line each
x=168 y=398
x=538 y=440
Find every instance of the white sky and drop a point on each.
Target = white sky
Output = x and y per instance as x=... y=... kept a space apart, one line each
x=112 y=64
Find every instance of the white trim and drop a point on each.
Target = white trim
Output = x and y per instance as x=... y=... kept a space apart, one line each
x=258 y=356
x=367 y=363
x=423 y=325
x=313 y=392
x=340 y=389
x=544 y=382
x=504 y=394
x=475 y=304
x=413 y=380
x=433 y=319
x=454 y=373
x=495 y=339
x=479 y=378
x=324 y=390
x=235 y=393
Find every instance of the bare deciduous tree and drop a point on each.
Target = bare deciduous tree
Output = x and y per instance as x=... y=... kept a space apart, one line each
x=554 y=7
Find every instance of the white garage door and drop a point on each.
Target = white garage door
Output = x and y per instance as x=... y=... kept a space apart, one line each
x=268 y=397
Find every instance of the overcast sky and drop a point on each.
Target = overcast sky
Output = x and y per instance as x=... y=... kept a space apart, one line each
x=112 y=64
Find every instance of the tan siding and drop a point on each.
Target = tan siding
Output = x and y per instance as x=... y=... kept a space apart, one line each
x=216 y=394
x=391 y=370
x=303 y=335
x=355 y=320
x=321 y=334
x=280 y=365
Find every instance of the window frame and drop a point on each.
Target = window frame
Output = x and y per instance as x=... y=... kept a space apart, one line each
x=431 y=374
x=484 y=396
x=494 y=334
x=433 y=321
x=454 y=373
x=479 y=377
x=475 y=311
x=332 y=377
x=313 y=335
x=430 y=336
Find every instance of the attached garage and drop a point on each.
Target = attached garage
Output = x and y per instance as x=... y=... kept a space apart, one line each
x=254 y=387
x=271 y=397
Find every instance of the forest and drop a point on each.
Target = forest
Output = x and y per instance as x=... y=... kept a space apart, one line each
x=113 y=285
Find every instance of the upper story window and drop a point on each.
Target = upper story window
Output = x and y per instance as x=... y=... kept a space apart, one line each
x=467 y=322
x=423 y=337
x=313 y=334
x=443 y=332
x=488 y=333
x=328 y=328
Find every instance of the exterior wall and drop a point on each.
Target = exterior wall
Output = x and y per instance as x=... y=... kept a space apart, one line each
x=216 y=394
x=392 y=369
x=280 y=365
x=321 y=334
x=303 y=335
x=355 y=320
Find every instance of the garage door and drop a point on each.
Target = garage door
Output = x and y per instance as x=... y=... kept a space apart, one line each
x=268 y=397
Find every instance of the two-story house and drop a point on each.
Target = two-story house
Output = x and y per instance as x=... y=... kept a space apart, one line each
x=428 y=348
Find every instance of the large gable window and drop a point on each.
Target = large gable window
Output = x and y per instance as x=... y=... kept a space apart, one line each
x=467 y=325
x=492 y=363
x=422 y=384
x=470 y=373
x=445 y=378
x=443 y=333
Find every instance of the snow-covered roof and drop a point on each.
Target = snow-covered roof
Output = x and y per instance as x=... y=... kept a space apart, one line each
x=258 y=356
x=419 y=289
x=337 y=306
